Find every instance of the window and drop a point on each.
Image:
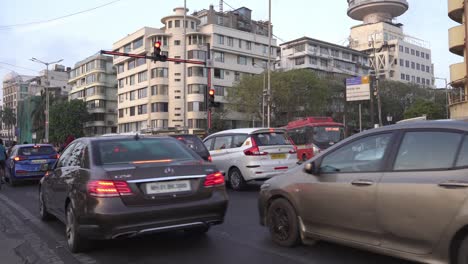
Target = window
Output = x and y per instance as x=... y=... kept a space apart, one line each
x=132 y=80
x=428 y=82
x=412 y=52
x=238 y=140
x=222 y=142
x=196 y=106
x=220 y=39
x=197 y=54
x=137 y=43
x=365 y=154
x=219 y=90
x=120 y=68
x=218 y=73
x=127 y=48
x=236 y=76
x=423 y=81
x=121 y=83
x=121 y=113
x=176 y=42
x=131 y=64
x=196 y=89
x=423 y=55
x=300 y=60
x=313 y=60
x=197 y=71
x=159 y=89
x=169 y=24
x=242 y=60
x=413 y=79
x=335 y=53
x=418 y=79
x=159 y=73
x=427 y=56
x=417 y=53
x=346 y=56
x=140 y=61
x=192 y=25
x=177 y=80
x=407 y=77
x=413 y=65
x=417 y=148
x=407 y=64
x=418 y=66
x=401 y=48
x=230 y=41
x=428 y=69
x=407 y=50
x=142 y=76
x=299 y=48
x=248 y=44
x=402 y=76
x=132 y=95
x=142 y=93
x=402 y=62
x=240 y=43
x=323 y=63
x=132 y=111
x=159 y=107
x=324 y=51
x=176 y=23
x=218 y=56
x=142 y=109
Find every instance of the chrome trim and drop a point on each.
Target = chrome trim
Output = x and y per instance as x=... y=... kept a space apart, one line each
x=167 y=178
x=170 y=227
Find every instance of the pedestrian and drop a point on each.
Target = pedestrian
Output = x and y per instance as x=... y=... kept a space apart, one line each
x=3 y=157
x=11 y=148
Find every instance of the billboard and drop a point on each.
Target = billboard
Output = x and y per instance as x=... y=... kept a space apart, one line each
x=358 y=88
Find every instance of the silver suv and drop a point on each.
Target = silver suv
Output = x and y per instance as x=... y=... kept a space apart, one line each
x=248 y=154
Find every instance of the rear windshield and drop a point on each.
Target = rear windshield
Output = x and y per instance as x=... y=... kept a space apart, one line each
x=144 y=149
x=192 y=142
x=271 y=139
x=36 y=151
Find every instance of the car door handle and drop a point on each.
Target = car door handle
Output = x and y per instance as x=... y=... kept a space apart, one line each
x=454 y=184
x=362 y=182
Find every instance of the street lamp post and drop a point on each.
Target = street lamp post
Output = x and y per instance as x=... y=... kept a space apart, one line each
x=377 y=91
x=446 y=95
x=46 y=87
x=389 y=119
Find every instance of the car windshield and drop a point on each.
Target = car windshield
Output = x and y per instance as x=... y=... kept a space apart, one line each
x=328 y=134
x=271 y=139
x=192 y=142
x=130 y=150
x=36 y=151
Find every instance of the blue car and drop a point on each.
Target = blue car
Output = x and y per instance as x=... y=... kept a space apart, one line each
x=28 y=162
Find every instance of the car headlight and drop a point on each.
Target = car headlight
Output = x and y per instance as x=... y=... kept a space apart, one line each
x=315 y=149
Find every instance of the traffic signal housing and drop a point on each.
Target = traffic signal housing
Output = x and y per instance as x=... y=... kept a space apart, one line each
x=211 y=98
x=157 y=52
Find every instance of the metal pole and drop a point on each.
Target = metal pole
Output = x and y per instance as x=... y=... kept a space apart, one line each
x=360 y=119
x=379 y=103
x=47 y=105
x=465 y=6
x=185 y=68
x=263 y=99
x=447 y=98
x=269 y=69
x=208 y=87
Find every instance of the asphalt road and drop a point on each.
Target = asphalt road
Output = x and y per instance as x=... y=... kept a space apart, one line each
x=239 y=240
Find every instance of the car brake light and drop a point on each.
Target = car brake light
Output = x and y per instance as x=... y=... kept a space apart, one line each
x=20 y=158
x=54 y=156
x=210 y=159
x=214 y=179
x=108 y=188
x=254 y=150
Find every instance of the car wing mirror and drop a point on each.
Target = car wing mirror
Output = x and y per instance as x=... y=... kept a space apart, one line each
x=312 y=168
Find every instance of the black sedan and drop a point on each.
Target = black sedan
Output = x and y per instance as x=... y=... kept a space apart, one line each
x=124 y=186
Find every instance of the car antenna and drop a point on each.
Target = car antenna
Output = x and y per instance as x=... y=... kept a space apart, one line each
x=137 y=137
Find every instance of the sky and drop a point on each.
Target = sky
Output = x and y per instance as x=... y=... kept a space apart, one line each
x=77 y=37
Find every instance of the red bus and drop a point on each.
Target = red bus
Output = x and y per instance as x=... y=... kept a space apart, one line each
x=313 y=134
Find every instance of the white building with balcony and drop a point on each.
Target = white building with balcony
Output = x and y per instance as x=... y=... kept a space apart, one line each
x=393 y=54
x=93 y=80
x=159 y=95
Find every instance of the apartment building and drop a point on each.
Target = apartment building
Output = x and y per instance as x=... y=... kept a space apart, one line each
x=93 y=80
x=159 y=95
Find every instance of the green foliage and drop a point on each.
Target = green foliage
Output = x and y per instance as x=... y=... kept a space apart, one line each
x=67 y=118
x=295 y=93
x=428 y=108
x=8 y=116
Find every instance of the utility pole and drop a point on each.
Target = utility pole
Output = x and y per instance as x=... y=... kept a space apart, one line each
x=185 y=23
x=377 y=91
x=446 y=96
x=465 y=12
x=269 y=64
x=46 y=88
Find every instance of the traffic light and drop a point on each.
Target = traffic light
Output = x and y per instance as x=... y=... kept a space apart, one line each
x=211 y=98
x=157 y=52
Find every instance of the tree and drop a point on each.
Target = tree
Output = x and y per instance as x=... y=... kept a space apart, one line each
x=428 y=108
x=67 y=118
x=295 y=93
x=9 y=119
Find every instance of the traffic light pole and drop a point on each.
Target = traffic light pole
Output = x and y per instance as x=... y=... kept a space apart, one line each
x=208 y=88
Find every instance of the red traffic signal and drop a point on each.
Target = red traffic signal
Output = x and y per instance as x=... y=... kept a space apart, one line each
x=211 y=92
x=157 y=44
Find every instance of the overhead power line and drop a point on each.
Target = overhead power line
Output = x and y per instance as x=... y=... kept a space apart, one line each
x=6 y=27
x=16 y=66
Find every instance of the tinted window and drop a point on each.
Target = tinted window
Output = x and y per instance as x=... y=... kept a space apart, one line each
x=327 y=134
x=238 y=140
x=36 y=151
x=222 y=142
x=208 y=143
x=192 y=142
x=427 y=150
x=271 y=139
x=146 y=149
x=77 y=154
x=65 y=158
x=463 y=156
x=365 y=154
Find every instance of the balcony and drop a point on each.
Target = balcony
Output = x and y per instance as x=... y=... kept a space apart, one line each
x=457 y=74
x=455 y=10
x=359 y=9
x=95 y=123
x=457 y=40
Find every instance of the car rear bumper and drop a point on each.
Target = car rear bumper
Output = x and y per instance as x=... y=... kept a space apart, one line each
x=122 y=221
x=257 y=172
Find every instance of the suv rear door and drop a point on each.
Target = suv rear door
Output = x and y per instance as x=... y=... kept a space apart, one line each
x=277 y=145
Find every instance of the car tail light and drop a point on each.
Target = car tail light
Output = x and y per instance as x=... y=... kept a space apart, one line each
x=20 y=158
x=210 y=159
x=254 y=150
x=293 y=151
x=214 y=179
x=55 y=156
x=108 y=188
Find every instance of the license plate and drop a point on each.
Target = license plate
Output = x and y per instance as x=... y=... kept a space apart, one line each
x=41 y=161
x=278 y=156
x=167 y=187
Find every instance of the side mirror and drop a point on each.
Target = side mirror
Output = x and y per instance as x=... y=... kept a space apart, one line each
x=311 y=168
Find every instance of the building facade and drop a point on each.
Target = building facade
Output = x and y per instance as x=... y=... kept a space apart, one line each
x=393 y=54
x=458 y=72
x=322 y=57
x=93 y=80
x=162 y=95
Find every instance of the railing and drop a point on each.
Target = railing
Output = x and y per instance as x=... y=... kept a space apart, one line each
x=457 y=98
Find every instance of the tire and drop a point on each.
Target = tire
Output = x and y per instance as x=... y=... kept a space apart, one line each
x=236 y=180
x=462 y=254
x=43 y=213
x=197 y=231
x=76 y=243
x=304 y=157
x=283 y=224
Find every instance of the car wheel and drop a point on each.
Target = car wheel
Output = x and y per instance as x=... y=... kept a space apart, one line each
x=236 y=180
x=43 y=213
x=282 y=223
x=197 y=231
x=462 y=257
x=76 y=243
x=304 y=157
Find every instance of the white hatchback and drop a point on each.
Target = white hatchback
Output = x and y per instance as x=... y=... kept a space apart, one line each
x=248 y=154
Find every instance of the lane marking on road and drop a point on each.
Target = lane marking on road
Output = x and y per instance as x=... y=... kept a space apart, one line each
x=33 y=236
